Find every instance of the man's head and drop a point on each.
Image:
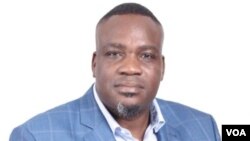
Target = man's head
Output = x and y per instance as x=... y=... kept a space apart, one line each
x=128 y=64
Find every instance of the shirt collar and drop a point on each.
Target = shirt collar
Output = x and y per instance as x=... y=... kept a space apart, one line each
x=156 y=117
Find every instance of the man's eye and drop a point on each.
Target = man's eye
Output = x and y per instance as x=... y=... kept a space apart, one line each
x=147 y=56
x=113 y=54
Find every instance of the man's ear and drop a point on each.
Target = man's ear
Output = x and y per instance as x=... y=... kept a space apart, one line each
x=93 y=64
x=162 y=67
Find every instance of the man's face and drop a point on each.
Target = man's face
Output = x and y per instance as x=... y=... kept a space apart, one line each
x=128 y=64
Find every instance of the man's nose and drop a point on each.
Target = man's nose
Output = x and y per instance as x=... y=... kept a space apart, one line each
x=130 y=66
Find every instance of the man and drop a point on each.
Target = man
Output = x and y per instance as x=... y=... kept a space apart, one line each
x=121 y=106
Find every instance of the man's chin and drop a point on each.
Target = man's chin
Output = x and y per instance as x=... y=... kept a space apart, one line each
x=125 y=111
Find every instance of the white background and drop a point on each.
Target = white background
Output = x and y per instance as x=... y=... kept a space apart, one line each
x=46 y=49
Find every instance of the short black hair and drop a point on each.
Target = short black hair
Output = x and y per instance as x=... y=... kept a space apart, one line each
x=130 y=8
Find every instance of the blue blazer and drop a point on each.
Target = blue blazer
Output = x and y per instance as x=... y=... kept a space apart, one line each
x=82 y=120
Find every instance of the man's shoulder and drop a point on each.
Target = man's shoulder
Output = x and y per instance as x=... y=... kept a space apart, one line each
x=61 y=113
x=54 y=117
x=178 y=113
x=59 y=121
x=190 y=123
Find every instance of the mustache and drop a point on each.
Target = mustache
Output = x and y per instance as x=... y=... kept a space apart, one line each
x=129 y=82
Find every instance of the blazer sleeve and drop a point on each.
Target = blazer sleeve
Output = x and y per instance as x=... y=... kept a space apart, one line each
x=21 y=133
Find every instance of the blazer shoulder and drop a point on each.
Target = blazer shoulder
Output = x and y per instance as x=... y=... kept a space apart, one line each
x=70 y=121
x=180 y=112
x=57 y=118
x=191 y=123
x=54 y=115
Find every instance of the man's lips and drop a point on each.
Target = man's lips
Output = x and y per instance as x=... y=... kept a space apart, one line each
x=129 y=85
x=128 y=88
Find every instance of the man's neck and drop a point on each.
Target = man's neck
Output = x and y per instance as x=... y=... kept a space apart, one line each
x=138 y=125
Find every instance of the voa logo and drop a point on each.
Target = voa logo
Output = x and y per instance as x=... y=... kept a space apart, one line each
x=236 y=132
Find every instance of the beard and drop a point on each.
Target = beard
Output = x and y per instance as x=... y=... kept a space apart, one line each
x=127 y=112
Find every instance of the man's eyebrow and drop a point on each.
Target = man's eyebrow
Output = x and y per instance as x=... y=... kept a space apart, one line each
x=114 y=45
x=148 y=47
x=121 y=46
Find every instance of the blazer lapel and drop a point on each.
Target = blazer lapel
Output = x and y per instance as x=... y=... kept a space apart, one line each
x=168 y=132
x=92 y=118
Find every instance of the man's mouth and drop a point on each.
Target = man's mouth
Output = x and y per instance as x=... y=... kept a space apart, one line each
x=129 y=89
x=128 y=94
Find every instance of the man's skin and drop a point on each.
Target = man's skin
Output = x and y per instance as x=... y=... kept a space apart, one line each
x=128 y=66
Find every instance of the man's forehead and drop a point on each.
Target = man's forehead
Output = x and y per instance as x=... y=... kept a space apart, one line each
x=127 y=18
x=128 y=23
x=133 y=27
